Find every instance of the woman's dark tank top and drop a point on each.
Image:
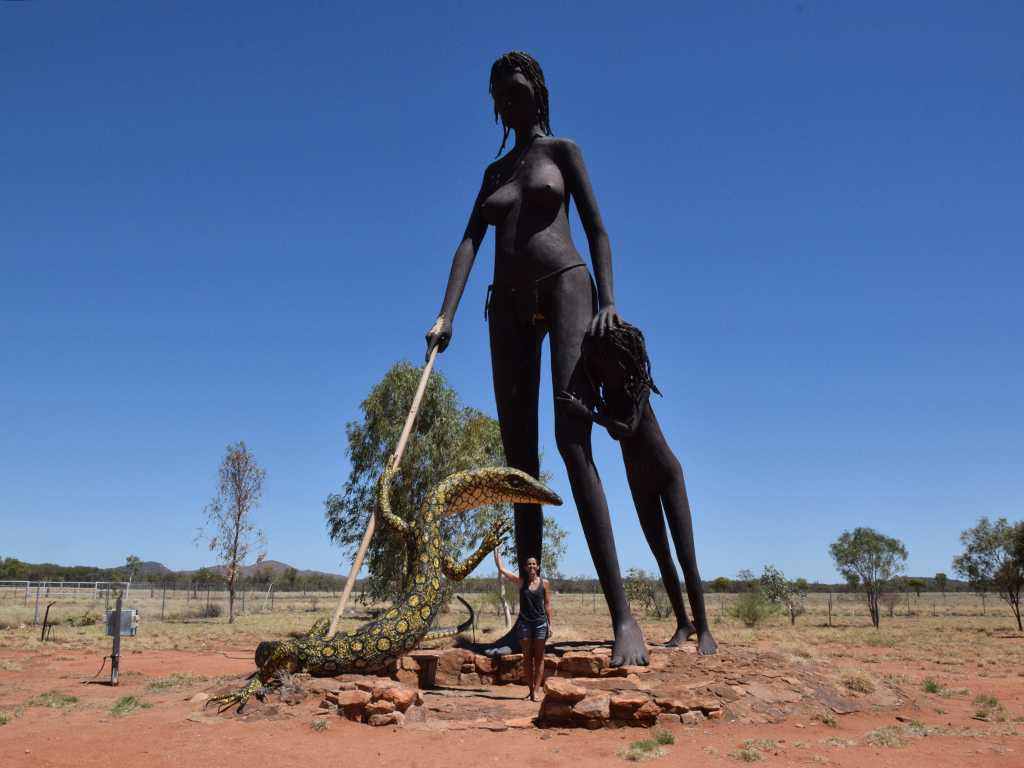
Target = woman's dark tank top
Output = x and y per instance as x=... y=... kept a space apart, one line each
x=531 y=604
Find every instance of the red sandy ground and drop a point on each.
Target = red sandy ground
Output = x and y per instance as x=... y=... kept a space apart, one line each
x=162 y=736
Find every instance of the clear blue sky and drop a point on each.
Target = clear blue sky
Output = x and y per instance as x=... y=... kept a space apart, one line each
x=225 y=221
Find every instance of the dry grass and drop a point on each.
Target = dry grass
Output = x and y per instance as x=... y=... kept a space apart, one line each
x=857 y=680
x=957 y=636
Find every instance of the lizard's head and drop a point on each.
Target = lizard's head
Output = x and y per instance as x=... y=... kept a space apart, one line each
x=265 y=650
x=496 y=485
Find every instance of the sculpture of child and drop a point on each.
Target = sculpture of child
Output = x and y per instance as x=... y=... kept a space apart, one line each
x=619 y=372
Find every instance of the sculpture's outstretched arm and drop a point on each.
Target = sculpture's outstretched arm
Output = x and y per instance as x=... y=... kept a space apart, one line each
x=459 y=571
x=441 y=332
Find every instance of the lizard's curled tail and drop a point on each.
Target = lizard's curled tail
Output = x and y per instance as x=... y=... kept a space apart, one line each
x=452 y=631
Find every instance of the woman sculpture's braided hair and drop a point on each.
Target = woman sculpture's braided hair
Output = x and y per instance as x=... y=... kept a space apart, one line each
x=625 y=343
x=525 y=63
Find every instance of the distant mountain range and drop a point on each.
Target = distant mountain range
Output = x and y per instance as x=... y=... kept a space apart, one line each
x=246 y=570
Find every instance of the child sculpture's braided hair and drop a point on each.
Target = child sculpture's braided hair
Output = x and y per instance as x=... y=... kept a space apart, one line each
x=625 y=343
x=530 y=69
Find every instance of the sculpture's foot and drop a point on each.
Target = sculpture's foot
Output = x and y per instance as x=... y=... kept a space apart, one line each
x=706 y=645
x=503 y=645
x=629 y=650
x=682 y=635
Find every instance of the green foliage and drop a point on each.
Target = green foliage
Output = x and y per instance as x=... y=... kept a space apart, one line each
x=643 y=750
x=131 y=564
x=759 y=743
x=931 y=686
x=941 y=581
x=13 y=569
x=648 y=591
x=126 y=705
x=51 y=699
x=721 y=584
x=993 y=560
x=446 y=438
x=918 y=585
x=320 y=725
x=664 y=737
x=87 y=619
x=872 y=558
x=752 y=608
x=784 y=594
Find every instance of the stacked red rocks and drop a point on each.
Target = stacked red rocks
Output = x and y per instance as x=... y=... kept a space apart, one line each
x=375 y=703
x=567 y=704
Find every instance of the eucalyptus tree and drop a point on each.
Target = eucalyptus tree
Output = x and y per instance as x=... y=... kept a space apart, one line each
x=447 y=437
x=871 y=559
x=240 y=481
x=993 y=560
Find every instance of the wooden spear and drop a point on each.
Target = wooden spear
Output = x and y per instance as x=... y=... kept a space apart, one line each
x=402 y=440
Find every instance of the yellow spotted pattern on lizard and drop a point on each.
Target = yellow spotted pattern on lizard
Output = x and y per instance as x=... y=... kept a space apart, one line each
x=375 y=645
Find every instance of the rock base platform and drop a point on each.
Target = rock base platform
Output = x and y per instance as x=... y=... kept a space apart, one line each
x=456 y=689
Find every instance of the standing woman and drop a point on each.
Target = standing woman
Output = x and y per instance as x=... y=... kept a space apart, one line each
x=534 y=625
x=542 y=287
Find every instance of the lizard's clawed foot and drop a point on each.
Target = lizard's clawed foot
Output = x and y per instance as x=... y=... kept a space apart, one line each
x=238 y=697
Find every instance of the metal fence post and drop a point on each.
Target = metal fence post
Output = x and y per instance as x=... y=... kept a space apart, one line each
x=163 y=603
x=115 y=656
x=38 y=589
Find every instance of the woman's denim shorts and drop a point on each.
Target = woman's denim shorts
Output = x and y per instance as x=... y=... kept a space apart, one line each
x=532 y=630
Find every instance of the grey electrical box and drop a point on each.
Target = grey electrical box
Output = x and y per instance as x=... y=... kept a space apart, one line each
x=129 y=623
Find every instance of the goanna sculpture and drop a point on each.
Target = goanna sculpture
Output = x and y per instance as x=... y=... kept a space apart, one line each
x=374 y=645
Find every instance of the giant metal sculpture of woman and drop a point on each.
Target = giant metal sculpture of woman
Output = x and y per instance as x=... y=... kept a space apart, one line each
x=542 y=286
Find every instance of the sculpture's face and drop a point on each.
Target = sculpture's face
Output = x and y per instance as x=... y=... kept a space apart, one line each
x=609 y=373
x=515 y=100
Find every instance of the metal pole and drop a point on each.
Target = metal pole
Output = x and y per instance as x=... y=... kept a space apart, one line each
x=188 y=597
x=365 y=544
x=267 y=597
x=163 y=603
x=26 y=594
x=830 y=607
x=36 y=617
x=207 y=600
x=243 y=602
x=115 y=655
x=106 y=602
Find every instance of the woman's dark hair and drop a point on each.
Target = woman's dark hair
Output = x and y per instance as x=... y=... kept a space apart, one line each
x=530 y=69
x=625 y=343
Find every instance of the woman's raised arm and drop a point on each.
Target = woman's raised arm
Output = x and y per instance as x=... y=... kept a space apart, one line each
x=441 y=332
x=513 y=577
